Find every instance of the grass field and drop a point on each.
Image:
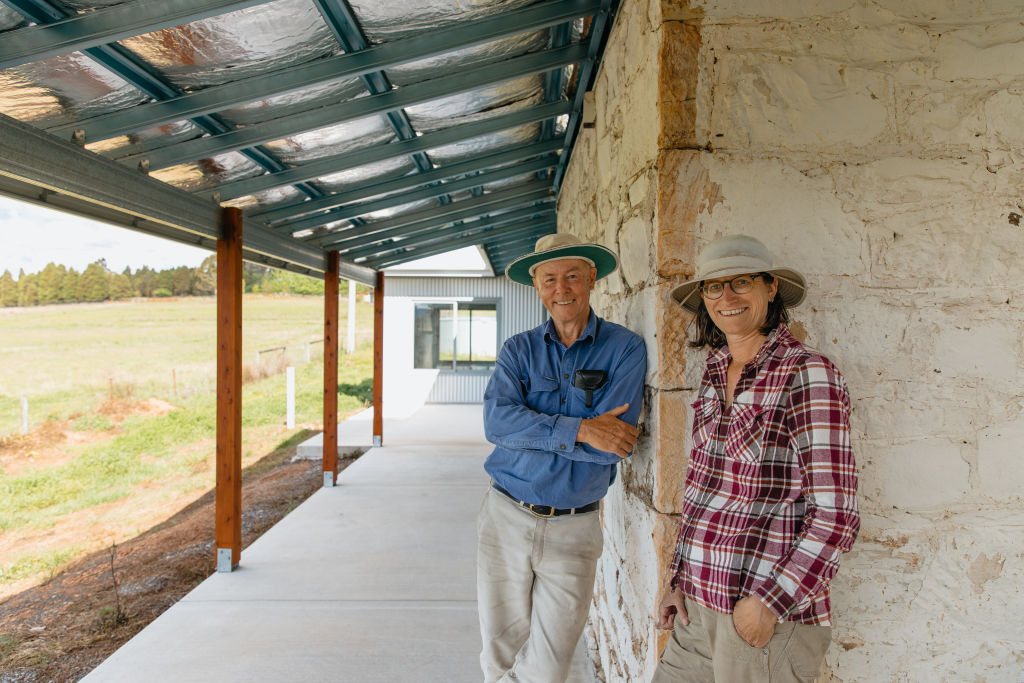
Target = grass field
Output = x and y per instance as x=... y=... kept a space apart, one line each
x=102 y=463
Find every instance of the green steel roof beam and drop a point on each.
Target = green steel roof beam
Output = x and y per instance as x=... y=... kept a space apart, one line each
x=443 y=237
x=476 y=238
x=377 y=153
x=452 y=239
x=362 y=239
x=376 y=58
x=510 y=249
x=546 y=211
x=429 y=192
x=38 y=168
x=441 y=215
x=393 y=100
x=108 y=25
x=294 y=211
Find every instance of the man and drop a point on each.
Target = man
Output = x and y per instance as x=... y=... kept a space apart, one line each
x=561 y=409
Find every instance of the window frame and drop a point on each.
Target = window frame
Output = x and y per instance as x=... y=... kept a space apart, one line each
x=455 y=303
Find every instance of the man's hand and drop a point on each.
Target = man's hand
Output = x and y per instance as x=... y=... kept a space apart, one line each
x=608 y=433
x=672 y=607
x=753 y=621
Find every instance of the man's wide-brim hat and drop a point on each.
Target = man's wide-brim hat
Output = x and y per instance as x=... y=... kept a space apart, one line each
x=736 y=255
x=559 y=246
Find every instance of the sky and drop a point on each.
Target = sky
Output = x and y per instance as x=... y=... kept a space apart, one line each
x=31 y=236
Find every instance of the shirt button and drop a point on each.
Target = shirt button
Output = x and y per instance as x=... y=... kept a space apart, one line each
x=563 y=400
x=765 y=650
x=562 y=446
x=565 y=376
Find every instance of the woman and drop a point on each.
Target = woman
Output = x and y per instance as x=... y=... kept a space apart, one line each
x=770 y=494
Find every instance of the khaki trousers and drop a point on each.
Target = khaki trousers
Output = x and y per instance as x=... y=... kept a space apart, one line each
x=709 y=650
x=535 y=583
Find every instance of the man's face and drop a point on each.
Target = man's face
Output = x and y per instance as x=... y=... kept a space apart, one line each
x=564 y=288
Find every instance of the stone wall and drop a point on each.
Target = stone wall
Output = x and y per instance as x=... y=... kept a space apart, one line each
x=875 y=146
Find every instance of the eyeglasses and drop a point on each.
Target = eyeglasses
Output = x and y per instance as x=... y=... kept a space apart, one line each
x=741 y=284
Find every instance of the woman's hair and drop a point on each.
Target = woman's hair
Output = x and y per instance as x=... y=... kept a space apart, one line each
x=708 y=333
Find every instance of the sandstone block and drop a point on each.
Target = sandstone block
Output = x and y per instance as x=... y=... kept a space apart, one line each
x=634 y=251
x=923 y=474
x=684 y=192
x=672 y=451
x=677 y=84
x=1001 y=462
x=672 y=336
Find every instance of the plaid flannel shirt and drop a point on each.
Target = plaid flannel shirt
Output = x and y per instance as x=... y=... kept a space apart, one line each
x=770 y=500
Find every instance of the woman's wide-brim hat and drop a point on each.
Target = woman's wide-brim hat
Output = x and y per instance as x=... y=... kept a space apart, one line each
x=559 y=246
x=736 y=255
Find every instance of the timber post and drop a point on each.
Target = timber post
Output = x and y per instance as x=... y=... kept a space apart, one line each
x=228 y=497
x=330 y=457
x=378 y=361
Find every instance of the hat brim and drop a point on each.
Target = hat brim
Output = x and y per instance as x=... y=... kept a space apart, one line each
x=792 y=287
x=604 y=260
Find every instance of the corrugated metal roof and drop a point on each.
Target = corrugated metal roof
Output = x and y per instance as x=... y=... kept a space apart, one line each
x=386 y=130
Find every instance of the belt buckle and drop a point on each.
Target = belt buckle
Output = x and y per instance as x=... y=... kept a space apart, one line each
x=551 y=511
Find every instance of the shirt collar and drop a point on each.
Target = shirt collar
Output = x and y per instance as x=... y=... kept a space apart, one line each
x=779 y=337
x=589 y=332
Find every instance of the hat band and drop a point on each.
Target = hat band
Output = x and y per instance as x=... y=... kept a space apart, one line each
x=561 y=258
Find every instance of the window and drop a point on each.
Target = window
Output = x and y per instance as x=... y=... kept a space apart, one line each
x=456 y=336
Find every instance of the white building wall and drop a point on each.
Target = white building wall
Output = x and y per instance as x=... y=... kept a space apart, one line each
x=519 y=309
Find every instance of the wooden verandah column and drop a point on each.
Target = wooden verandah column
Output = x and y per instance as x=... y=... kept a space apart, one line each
x=378 y=361
x=330 y=457
x=228 y=497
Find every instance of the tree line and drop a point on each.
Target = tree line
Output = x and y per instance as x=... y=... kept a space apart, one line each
x=59 y=284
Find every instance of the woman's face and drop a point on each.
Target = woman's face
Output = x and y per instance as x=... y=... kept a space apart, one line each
x=739 y=316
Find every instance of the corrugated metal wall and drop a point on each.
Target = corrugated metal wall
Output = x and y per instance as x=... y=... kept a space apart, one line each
x=519 y=309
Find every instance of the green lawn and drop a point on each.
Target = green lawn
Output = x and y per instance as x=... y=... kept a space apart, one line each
x=158 y=457
x=68 y=359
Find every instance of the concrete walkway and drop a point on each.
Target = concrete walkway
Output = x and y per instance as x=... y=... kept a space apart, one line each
x=372 y=580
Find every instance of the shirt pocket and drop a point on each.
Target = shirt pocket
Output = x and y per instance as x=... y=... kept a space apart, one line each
x=706 y=411
x=744 y=441
x=540 y=386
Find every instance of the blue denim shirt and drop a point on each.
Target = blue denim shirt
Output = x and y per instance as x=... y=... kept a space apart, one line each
x=532 y=411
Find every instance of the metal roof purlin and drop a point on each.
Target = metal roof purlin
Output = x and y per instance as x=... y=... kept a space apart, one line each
x=436 y=216
x=352 y=65
x=357 y=108
x=39 y=168
x=377 y=153
x=424 y=193
x=430 y=234
x=442 y=239
x=141 y=75
x=346 y=29
x=296 y=211
x=599 y=26
x=478 y=238
x=102 y=26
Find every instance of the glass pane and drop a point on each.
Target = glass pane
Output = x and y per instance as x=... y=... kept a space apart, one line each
x=425 y=337
x=445 y=333
x=485 y=336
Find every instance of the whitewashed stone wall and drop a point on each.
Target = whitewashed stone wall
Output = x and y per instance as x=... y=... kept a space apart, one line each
x=877 y=147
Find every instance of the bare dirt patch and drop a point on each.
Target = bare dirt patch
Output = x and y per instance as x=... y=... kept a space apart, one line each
x=62 y=629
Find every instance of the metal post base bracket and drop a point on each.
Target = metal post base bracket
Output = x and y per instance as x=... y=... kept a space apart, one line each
x=328 y=480
x=377 y=441
x=224 y=563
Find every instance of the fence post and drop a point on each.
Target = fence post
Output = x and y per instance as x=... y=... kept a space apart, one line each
x=350 y=337
x=291 y=397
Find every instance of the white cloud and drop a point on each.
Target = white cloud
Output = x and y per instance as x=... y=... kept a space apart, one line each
x=32 y=236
